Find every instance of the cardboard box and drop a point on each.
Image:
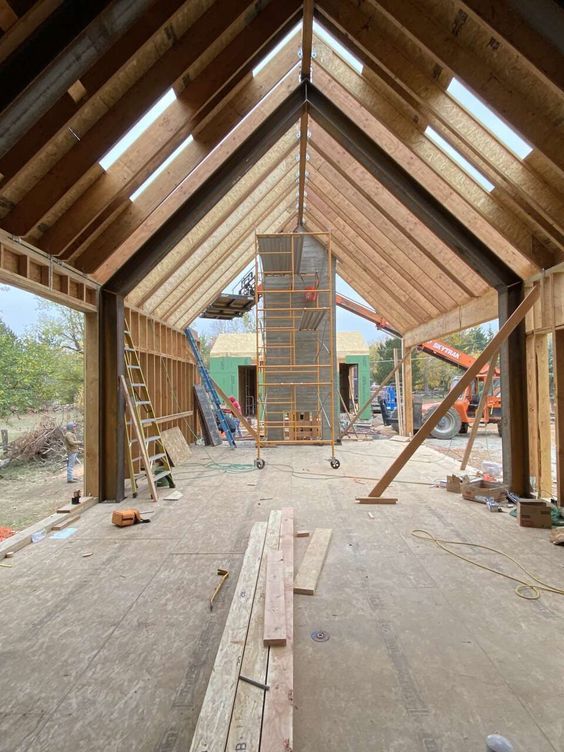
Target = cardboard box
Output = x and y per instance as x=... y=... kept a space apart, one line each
x=534 y=514
x=480 y=487
x=454 y=483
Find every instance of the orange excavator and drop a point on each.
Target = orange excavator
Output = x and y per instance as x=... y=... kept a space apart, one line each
x=463 y=413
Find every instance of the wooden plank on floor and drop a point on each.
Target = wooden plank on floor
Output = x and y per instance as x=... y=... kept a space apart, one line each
x=277 y=724
x=213 y=723
x=244 y=731
x=312 y=564
x=274 y=602
x=85 y=503
x=375 y=500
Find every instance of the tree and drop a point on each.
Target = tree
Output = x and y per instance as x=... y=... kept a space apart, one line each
x=60 y=327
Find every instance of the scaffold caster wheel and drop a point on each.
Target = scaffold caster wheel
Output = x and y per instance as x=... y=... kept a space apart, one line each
x=335 y=464
x=259 y=464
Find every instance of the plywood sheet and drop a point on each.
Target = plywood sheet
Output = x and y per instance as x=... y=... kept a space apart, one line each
x=176 y=446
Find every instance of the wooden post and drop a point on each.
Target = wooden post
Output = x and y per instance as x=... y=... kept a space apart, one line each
x=4 y=441
x=492 y=347
x=91 y=406
x=399 y=394
x=479 y=413
x=407 y=391
x=558 y=361
x=532 y=411
x=542 y=429
x=373 y=396
x=112 y=406
x=515 y=437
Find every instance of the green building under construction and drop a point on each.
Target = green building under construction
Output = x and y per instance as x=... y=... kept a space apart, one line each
x=233 y=367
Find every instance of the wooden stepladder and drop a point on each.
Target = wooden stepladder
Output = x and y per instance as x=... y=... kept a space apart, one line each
x=146 y=454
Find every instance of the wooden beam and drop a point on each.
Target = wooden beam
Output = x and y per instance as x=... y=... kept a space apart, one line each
x=91 y=405
x=48 y=62
x=30 y=269
x=509 y=238
x=201 y=201
x=417 y=199
x=407 y=380
x=433 y=289
x=246 y=719
x=25 y=26
x=558 y=361
x=479 y=414
x=112 y=405
x=189 y=114
x=222 y=230
x=515 y=436
x=374 y=394
x=520 y=204
x=464 y=316
x=302 y=164
x=237 y=413
x=212 y=728
x=344 y=249
x=307 y=39
x=509 y=325
x=65 y=112
x=537 y=41
x=277 y=725
x=274 y=632
x=310 y=569
x=124 y=236
x=543 y=429
x=521 y=107
x=193 y=309
x=139 y=98
x=396 y=226
x=386 y=273
x=7 y=16
x=195 y=304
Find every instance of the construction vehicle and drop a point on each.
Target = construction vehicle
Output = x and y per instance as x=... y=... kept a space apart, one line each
x=463 y=413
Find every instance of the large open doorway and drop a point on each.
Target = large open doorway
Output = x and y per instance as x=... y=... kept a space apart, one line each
x=248 y=389
x=42 y=399
x=348 y=385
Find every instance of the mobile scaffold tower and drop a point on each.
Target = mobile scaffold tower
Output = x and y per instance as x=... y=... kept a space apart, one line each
x=295 y=341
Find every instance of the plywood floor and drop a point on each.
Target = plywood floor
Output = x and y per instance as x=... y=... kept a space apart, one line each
x=113 y=651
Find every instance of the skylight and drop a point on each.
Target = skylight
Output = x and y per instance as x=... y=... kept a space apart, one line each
x=135 y=131
x=264 y=62
x=489 y=119
x=154 y=175
x=444 y=145
x=337 y=47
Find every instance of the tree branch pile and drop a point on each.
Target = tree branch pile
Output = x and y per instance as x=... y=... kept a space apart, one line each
x=46 y=442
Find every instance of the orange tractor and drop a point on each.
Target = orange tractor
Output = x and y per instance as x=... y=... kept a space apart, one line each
x=463 y=412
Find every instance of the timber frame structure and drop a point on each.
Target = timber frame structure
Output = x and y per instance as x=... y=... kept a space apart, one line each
x=305 y=138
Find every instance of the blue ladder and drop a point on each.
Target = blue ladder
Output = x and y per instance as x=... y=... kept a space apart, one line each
x=209 y=387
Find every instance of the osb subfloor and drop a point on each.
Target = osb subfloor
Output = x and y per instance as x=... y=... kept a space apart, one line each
x=113 y=651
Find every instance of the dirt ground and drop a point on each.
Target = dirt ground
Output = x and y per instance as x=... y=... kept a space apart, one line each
x=33 y=490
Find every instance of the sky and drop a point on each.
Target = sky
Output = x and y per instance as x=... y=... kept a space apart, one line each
x=18 y=309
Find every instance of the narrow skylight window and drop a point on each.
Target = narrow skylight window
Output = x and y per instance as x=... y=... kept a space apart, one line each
x=135 y=131
x=337 y=47
x=264 y=62
x=489 y=119
x=154 y=175
x=459 y=159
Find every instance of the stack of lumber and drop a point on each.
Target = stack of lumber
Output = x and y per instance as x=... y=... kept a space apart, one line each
x=257 y=645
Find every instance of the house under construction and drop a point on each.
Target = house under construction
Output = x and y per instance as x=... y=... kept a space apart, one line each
x=149 y=151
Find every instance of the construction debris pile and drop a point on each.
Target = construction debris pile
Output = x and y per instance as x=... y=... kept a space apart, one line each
x=44 y=443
